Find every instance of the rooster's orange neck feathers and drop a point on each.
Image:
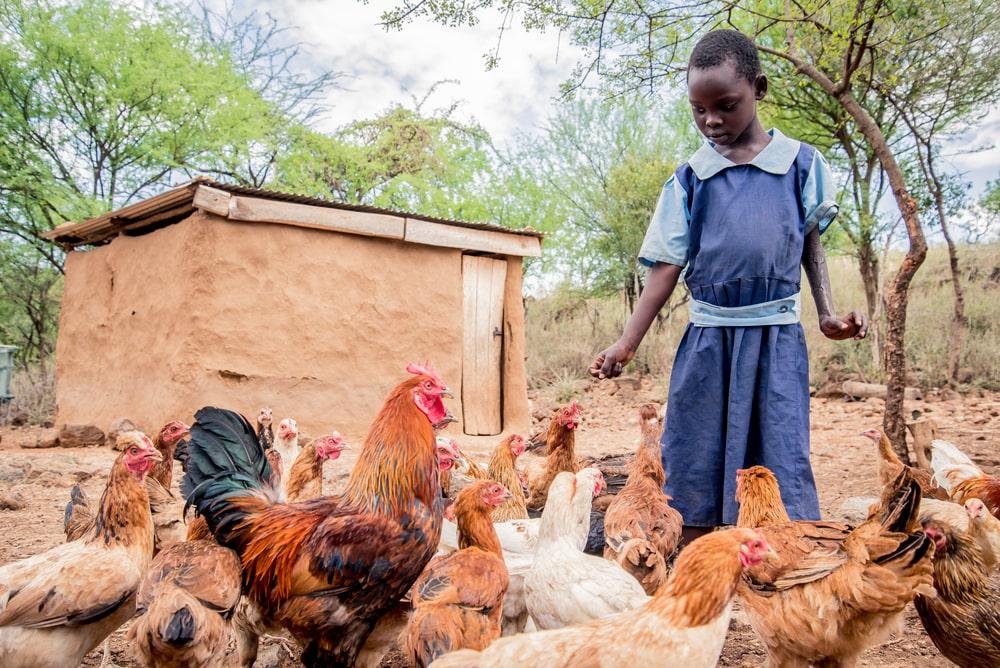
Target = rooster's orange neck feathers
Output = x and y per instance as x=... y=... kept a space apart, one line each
x=475 y=524
x=398 y=461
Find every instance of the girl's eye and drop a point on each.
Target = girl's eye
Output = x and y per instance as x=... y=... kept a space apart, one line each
x=728 y=107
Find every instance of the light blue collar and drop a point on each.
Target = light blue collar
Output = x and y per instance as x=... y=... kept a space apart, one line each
x=777 y=157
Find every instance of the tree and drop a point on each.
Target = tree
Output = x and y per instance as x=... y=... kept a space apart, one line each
x=843 y=47
x=406 y=158
x=103 y=103
x=599 y=166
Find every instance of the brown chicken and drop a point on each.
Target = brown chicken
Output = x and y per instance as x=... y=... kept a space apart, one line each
x=963 y=619
x=58 y=605
x=641 y=530
x=833 y=591
x=184 y=605
x=166 y=443
x=985 y=530
x=685 y=624
x=458 y=599
x=329 y=568
x=962 y=478
x=889 y=466
x=503 y=469
x=561 y=441
x=305 y=480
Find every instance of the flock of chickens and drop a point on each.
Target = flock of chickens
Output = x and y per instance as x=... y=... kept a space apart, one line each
x=452 y=561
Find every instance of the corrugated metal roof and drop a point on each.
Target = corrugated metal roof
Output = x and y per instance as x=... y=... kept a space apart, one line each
x=178 y=199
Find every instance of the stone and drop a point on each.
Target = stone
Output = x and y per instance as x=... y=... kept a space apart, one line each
x=13 y=501
x=80 y=436
x=117 y=427
x=48 y=438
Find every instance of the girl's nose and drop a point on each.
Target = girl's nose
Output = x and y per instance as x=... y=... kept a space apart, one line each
x=713 y=121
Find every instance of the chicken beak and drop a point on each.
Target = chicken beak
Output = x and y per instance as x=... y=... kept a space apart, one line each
x=154 y=455
x=445 y=392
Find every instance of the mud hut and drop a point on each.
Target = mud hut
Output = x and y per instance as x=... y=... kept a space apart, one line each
x=217 y=294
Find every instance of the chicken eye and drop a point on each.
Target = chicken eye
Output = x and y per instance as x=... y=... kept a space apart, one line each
x=427 y=385
x=133 y=451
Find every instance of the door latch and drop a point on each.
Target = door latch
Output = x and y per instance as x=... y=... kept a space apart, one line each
x=497 y=332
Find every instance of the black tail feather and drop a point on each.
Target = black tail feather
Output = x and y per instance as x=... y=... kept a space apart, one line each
x=899 y=509
x=225 y=460
x=180 y=629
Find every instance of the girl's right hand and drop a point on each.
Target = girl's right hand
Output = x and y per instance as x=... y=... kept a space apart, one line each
x=610 y=362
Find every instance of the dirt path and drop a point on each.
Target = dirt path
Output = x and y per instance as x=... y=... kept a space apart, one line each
x=844 y=465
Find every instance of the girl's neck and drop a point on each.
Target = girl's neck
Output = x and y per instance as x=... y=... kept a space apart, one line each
x=748 y=145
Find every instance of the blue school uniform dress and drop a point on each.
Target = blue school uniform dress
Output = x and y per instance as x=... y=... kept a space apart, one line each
x=739 y=389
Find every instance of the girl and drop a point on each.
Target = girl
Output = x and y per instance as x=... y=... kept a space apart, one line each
x=742 y=214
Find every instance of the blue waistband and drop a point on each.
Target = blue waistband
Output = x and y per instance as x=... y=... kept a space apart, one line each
x=778 y=312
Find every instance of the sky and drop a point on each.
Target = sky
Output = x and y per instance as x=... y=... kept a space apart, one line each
x=384 y=67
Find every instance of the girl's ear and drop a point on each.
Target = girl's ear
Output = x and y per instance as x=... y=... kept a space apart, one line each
x=760 y=87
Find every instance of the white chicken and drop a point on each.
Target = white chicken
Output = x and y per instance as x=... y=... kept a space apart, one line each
x=286 y=443
x=566 y=586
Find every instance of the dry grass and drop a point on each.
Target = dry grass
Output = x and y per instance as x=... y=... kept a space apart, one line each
x=566 y=330
x=34 y=391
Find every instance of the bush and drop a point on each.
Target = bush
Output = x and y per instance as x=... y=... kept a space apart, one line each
x=34 y=390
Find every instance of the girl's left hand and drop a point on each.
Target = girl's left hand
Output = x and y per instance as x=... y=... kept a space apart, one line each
x=853 y=326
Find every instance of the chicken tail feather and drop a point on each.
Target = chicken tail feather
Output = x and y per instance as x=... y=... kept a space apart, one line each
x=899 y=508
x=225 y=462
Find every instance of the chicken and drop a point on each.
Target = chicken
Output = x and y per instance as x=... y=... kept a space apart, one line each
x=566 y=586
x=78 y=517
x=503 y=469
x=889 y=466
x=184 y=605
x=833 y=591
x=456 y=463
x=286 y=442
x=458 y=599
x=327 y=569
x=58 y=605
x=963 y=619
x=165 y=442
x=985 y=530
x=641 y=530
x=305 y=481
x=265 y=432
x=685 y=624
x=962 y=479
x=561 y=455
x=274 y=460
x=167 y=507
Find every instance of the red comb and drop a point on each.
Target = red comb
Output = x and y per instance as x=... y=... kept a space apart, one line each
x=424 y=369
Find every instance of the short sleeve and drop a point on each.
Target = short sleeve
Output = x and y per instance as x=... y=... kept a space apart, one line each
x=667 y=236
x=819 y=196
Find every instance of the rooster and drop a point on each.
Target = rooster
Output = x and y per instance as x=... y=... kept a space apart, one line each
x=833 y=591
x=184 y=604
x=305 y=481
x=327 y=569
x=265 y=432
x=503 y=469
x=962 y=479
x=641 y=530
x=565 y=585
x=889 y=466
x=963 y=618
x=561 y=440
x=58 y=605
x=685 y=624
x=458 y=599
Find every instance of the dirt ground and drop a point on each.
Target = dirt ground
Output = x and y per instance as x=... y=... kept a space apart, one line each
x=844 y=464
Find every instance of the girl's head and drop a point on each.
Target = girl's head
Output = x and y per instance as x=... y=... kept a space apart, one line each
x=724 y=84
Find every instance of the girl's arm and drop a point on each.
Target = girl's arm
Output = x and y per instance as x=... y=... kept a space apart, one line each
x=660 y=284
x=855 y=323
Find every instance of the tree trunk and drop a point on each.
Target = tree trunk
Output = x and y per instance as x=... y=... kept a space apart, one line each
x=898 y=291
x=868 y=266
x=956 y=337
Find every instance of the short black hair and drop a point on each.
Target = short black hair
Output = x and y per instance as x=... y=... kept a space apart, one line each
x=719 y=46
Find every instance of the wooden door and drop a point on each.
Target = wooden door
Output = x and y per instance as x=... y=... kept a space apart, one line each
x=484 y=279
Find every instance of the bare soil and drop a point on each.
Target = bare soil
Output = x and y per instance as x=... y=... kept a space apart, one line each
x=844 y=464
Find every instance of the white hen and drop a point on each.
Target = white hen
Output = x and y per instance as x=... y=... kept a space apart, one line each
x=286 y=442
x=565 y=585
x=951 y=466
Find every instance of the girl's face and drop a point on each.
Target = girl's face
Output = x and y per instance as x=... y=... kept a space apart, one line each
x=723 y=102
